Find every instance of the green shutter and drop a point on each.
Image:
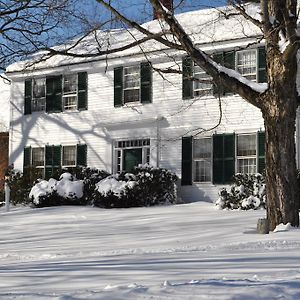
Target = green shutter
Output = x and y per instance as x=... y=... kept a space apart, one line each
x=229 y=62
x=218 y=89
x=261 y=65
x=54 y=94
x=218 y=165
x=187 y=74
x=52 y=160
x=261 y=137
x=27 y=157
x=187 y=161
x=223 y=158
x=28 y=96
x=229 y=157
x=118 y=86
x=146 y=82
x=229 y=59
x=82 y=155
x=82 y=91
x=56 y=156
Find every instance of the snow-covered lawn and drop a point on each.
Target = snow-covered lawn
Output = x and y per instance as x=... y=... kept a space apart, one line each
x=190 y=251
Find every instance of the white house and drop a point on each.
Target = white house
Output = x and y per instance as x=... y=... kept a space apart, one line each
x=114 y=112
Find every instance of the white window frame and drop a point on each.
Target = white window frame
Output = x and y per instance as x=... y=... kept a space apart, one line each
x=38 y=103
x=205 y=88
x=71 y=96
x=62 y=156
x=121 y=145
x=241 y=67
x=137 y=73
x=33 y=149
x=206 y=177
x=246 y=157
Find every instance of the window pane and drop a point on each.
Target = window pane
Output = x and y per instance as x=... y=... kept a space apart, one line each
x=70 y=102
x=38 y=102
x=202 y=171
x=246 y=165
x=69 y=155
x=246 y=145
x=39 y=88
x=131 y=95
x=38 y=157
x=201 y=88
x=202 y=148
x=70 y=84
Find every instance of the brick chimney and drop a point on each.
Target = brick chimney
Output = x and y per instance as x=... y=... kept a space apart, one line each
x=167 y=4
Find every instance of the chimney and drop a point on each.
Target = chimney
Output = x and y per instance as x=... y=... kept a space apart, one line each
x=168 y=4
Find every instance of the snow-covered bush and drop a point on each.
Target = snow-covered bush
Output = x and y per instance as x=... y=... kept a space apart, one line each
x=67 y=190
x=247 y=192
x=147 y=186
x=75 y=186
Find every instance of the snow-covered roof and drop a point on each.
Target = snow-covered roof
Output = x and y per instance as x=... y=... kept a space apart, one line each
x=207 y=26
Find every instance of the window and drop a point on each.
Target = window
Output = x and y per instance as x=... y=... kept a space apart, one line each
x=131 y=153
x=131 y=84
x=246 y=63
x=57 y=93
x=246 y=153
x=51 y=158
x=202 y=153
x=69 y=156
x=38 y=100
x=70 y=84
x=201 y=88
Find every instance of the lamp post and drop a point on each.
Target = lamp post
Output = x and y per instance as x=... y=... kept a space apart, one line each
x=6 y=190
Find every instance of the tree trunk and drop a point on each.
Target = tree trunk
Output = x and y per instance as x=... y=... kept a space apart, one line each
x=281 y=174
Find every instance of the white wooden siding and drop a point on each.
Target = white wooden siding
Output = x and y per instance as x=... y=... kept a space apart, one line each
x=102 y=123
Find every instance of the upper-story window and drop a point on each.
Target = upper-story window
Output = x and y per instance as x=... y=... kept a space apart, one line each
x=38 y=102
x=246 y=63
x=202 y=83
x=56 y=93
x=70 y=87
x=133 y=84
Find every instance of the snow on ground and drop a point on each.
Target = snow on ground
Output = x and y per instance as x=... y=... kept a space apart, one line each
x=190 y=251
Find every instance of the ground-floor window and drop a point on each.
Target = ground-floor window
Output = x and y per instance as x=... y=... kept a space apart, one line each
x=69 y=156
x=131 y=153
x=52 y=158
x=217 y=158
x=246 y=153
x=202 y=154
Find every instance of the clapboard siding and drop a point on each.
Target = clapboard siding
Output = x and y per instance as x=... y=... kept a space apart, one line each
x=102 y=123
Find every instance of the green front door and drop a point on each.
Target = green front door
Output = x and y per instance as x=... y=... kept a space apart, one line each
x=131 y=158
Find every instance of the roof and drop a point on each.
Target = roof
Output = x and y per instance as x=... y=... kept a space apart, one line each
x=207 y=26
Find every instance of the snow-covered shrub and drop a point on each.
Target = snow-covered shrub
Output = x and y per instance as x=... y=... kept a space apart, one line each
x=147 y=186
x=72 y=188
x=247 y=192
x=65 y=191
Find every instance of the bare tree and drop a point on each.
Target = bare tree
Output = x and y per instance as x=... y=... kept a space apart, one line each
x=278 y=100
x=30 y=25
